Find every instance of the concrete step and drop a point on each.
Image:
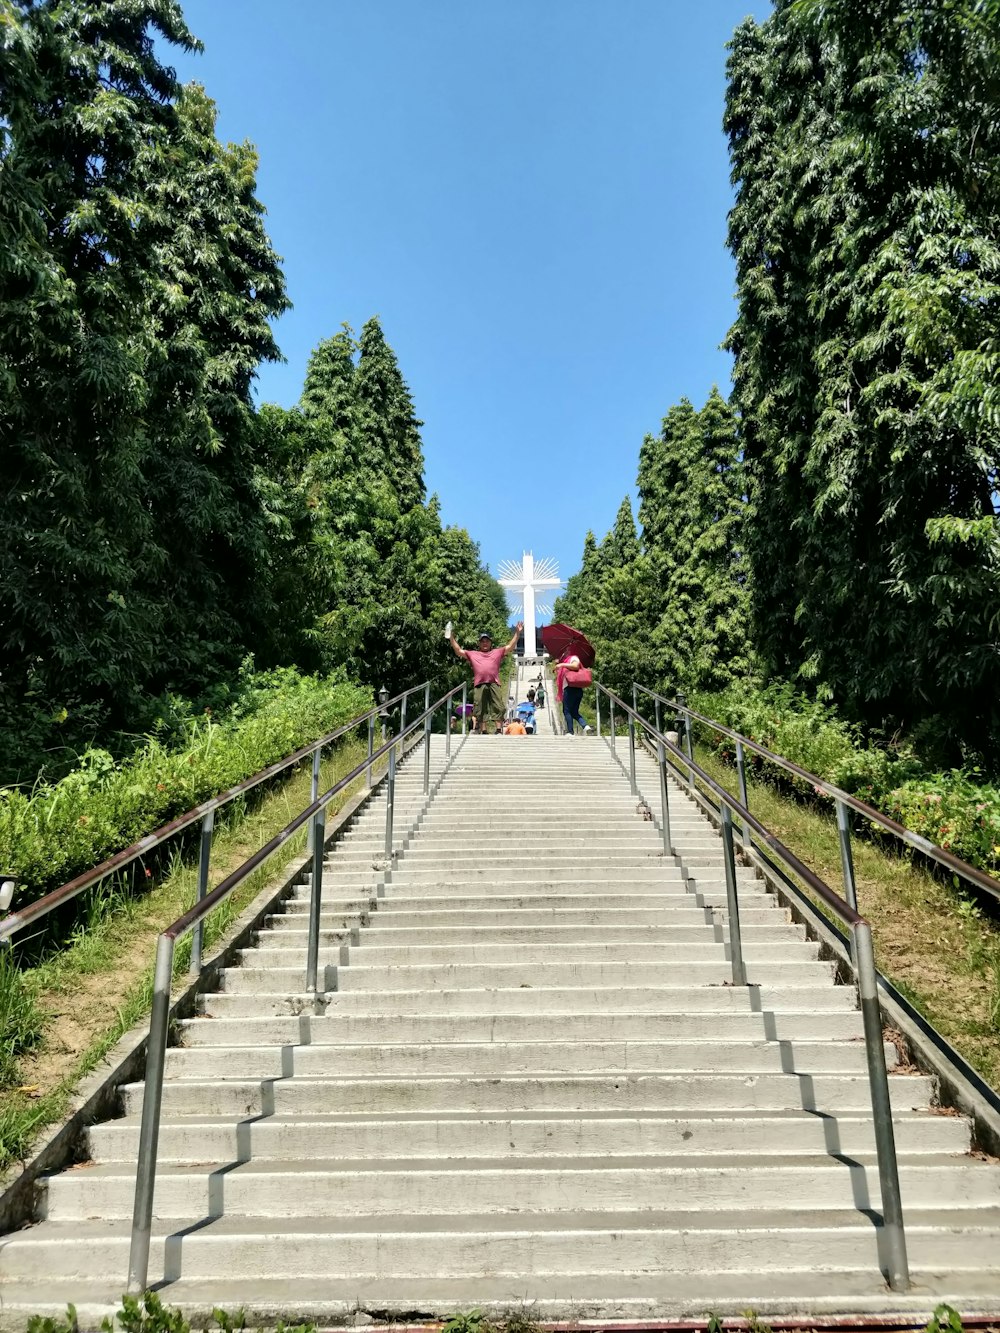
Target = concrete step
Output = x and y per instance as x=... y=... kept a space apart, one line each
x=679 y=1091
x=676 y=998
x=563 y=1297
x=450 y=913
x=660 y=947
x=236 y=1248
x=643 y=869
x=380 y=933
x=506 y=1058
x=198 y=1139
x=321 y=1029
x=522 y=975
x=525 y=1186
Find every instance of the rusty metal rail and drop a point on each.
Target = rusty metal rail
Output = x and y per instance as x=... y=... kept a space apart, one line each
x=204 y=814
x=843 y=800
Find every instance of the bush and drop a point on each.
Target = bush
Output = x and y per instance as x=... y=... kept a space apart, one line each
x=58 y=830
x=148 y=1314
x=953 y=808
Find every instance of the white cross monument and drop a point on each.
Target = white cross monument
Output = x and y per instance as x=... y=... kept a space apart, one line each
x=522 y=580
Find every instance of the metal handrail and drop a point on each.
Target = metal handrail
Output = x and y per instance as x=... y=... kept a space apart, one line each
x=862 y=951
x=15 y=922
x=193 y=919
x=843 y=799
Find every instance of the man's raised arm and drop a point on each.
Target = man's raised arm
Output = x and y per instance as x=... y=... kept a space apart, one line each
x=459 y=651
x=513 y=643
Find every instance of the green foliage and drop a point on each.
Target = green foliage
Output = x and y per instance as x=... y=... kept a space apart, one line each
x=671 y=609
x=154 y=527
x=57 y=830
x=136 y=289
x=953 y=808
x=21 y=1019
x=469 y=1321
x=945 y=1319
x=364 y=559
x=866 y=233
x=148 y=1314
x=691 y=508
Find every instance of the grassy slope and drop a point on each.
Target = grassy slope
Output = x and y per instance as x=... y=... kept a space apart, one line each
x=92 y=992
x=930 y=939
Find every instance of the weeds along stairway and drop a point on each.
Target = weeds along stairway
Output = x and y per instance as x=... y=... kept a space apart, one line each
x=528 y=1081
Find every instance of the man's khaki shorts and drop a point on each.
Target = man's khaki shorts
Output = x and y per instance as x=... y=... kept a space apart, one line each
x=490 y=704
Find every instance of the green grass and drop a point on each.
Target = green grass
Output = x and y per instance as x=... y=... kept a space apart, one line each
x=934 y=942
x=80 y=1001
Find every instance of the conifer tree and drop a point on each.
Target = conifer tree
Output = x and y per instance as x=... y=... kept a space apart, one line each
x=388 y=424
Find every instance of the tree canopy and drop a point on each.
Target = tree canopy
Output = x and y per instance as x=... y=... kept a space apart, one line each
x=155 y=527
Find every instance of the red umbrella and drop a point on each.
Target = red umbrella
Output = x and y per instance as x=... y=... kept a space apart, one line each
x=559 y=640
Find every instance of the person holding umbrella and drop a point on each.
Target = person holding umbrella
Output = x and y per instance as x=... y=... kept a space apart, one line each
x=485 y=662
x=576 y=656
x=571 y=680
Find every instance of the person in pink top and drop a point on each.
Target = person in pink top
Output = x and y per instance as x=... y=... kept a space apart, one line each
x=569 y=690
x=487 y=692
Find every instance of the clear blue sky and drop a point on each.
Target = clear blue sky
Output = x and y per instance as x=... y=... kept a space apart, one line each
x=531 y=195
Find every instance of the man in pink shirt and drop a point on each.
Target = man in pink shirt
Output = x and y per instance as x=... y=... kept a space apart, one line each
x=485 y=662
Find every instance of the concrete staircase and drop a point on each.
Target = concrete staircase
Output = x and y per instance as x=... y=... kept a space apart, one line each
x=528 y=1081
x=529 y=672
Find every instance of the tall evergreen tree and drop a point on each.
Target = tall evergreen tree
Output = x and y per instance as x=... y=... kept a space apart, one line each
x=389 y=427
x=867 y=238
x=377 y=576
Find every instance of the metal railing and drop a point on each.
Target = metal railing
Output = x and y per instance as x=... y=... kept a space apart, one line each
x=862 y=949
x=193 y=919
x=844 y=802
x=204 y=813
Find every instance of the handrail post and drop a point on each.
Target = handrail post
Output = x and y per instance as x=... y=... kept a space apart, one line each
x=846 y=855
x=741 y=774
x=402 y=724
x=631 y=755
x=668 y=842
x=732 y=899
x=316 y=898
x=465 y=704
x=427 y=696
x=204 y=862
x=314 y=790
x=449 y=713
x=688 y=748
x=898 y=1273
x=614 y=734
x=149 y=1129
x=427 y=754
x=371 y=748
x=659 y=715
x=597 y=705
x=635 y=697
x=390 y=800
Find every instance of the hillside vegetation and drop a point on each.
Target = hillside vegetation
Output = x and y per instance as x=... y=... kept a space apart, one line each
x=156 y=528
x=830 y=534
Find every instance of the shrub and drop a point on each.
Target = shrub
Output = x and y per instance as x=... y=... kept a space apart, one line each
x=953 y=808
x=58 y=830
